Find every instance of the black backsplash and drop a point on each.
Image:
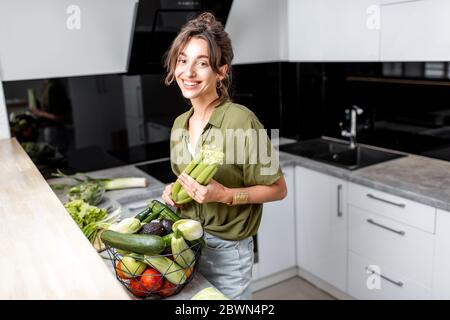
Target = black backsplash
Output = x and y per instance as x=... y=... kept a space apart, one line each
x=405 y=108
x=401 y=112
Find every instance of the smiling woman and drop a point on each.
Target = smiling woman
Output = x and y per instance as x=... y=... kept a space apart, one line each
x=230 y=206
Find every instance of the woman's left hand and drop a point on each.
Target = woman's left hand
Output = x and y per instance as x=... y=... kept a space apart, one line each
x=213 y=192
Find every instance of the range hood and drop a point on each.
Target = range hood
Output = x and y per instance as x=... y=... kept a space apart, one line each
x=157 y=24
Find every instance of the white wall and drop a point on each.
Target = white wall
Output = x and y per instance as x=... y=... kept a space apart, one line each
x=258 y=30
x=35 y=41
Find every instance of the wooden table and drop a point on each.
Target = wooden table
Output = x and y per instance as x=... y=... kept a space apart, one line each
x=43 y=253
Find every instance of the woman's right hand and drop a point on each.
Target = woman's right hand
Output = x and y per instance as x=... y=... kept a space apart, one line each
x=167 y=196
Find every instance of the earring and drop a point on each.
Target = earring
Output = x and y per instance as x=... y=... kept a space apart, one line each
x=219 y=84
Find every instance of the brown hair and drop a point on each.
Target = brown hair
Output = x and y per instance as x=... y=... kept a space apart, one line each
x=205 y=27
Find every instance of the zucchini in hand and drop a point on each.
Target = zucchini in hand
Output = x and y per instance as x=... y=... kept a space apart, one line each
x=202 y=169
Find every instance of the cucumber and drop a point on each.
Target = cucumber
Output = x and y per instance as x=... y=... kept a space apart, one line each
x=139 y=243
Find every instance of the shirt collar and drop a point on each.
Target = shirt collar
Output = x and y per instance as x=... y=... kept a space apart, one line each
x=216 y=117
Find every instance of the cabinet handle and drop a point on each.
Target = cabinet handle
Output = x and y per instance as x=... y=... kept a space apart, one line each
x=397 y=283
x=339 y=212
x=401 y=205
x=400 y=232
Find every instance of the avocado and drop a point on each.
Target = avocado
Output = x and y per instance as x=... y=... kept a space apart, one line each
x=154 y=227
x=167 y=224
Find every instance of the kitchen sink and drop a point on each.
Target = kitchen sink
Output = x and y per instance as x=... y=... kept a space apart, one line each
x=338 y=153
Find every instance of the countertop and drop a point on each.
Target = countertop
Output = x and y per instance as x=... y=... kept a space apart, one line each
x=44 y=255
x=413 y=177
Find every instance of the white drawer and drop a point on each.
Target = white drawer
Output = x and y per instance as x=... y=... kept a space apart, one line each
x=410 y=212
x=365 y=285
x=402 y=248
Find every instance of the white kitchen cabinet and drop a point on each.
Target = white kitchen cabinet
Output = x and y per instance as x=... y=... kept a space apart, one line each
x=441 y=278
x=388 y=284
x=61 y=38
x=391 y=245
x=328 y=30
x=415 y=31
x=321 y=225
x=276 y=234
x=257 y=29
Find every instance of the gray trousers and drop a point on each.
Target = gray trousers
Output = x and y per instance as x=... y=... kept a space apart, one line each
x=228 y=265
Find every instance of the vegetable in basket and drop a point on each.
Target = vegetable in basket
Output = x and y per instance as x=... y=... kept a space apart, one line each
x=129 y=267
x=138 y=243
x=190 y=229
x=183 y=255
x=91 y=189
x=168 y=268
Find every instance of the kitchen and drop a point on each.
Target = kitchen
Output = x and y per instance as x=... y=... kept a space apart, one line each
x=361 y=102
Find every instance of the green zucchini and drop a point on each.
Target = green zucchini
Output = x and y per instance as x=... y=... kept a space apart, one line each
x=140 y=243
x=163 y=211
x=143 y=214
x=168 y=239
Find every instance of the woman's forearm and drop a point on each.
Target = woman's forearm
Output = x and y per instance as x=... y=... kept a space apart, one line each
x=259 y=193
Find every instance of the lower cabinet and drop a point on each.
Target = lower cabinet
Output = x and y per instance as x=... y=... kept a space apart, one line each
x=441 y=278
x=321 y=226
x=276 y=234
x=366 y=243
x=391 y=246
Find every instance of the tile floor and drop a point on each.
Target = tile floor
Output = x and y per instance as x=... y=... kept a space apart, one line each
x=292 y=289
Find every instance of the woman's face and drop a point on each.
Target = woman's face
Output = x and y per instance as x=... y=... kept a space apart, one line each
x=193 y=73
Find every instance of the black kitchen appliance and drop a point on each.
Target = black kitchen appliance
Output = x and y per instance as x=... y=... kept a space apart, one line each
x=160 y=170
x=157 y=24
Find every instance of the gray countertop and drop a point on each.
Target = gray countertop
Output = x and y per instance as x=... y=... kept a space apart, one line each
x=413 y=177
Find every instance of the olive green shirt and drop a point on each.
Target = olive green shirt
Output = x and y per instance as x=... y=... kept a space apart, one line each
x=243 y=166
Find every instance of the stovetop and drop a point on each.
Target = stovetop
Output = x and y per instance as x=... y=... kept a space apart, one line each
x=160 y=170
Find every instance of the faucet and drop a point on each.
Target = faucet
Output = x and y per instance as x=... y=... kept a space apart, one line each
x=354 y=111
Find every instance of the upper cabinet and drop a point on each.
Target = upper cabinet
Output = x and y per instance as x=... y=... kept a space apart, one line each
x=326 y=30
x=60 y=38
x=257 y=29
x=415 y=31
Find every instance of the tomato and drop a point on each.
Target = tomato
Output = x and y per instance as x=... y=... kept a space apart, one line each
x=151 y=280
x=137 y=288
x=167 y=289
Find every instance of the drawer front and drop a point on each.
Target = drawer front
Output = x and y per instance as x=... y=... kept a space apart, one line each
x=369 y=280
x=402 y=248
x=400 y=209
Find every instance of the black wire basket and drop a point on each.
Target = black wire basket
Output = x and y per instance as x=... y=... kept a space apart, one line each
x=153 y=283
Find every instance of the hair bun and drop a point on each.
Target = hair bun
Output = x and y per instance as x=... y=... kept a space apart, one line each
x=207 y=18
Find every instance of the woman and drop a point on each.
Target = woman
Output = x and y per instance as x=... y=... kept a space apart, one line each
x=230 y=206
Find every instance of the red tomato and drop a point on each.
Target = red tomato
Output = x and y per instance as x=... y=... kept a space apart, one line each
x=167 y=289
x=137 y=288
x=151 y=280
